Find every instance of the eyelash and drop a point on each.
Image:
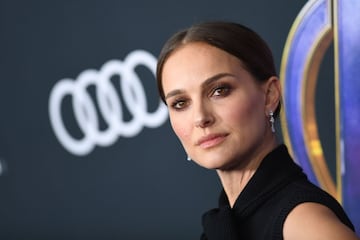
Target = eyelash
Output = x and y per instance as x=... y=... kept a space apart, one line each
x=224 y=88
x=176 y=102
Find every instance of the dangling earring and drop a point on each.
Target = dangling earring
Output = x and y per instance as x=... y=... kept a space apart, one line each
x=272 y=121
x=188 y=158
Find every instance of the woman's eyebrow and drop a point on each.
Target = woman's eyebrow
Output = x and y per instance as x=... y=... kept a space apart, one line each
x=216 y=78
x=203 y=85
x=173 y=93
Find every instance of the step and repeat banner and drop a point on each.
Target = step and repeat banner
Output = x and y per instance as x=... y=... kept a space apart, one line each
x=86 y=148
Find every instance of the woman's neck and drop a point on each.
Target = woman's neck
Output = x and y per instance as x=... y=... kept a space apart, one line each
x=234 y=182
x=235 y=179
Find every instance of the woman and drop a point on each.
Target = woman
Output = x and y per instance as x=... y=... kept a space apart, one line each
x=219 y=82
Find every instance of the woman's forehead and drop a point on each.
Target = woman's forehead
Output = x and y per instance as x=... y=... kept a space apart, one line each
x=197 y=56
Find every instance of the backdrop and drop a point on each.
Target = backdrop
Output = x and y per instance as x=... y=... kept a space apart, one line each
x=67 y=66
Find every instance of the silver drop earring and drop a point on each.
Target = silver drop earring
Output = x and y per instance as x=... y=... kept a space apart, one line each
x=188 y=158
x=272 y=121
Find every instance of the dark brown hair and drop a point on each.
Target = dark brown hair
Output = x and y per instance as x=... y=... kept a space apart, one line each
x=233 y=38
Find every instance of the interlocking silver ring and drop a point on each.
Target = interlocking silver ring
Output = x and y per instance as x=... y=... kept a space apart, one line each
x=109 y=104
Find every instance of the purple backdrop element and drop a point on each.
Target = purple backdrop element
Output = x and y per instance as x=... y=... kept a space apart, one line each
x=347 y=48
x=298 y=52
x=310 y=36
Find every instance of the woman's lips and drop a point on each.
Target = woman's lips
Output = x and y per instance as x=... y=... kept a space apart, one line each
x=211 y=140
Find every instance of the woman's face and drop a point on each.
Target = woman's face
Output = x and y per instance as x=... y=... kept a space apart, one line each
x=216 y=107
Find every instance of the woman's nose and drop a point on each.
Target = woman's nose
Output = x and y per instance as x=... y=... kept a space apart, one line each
x=203 y=117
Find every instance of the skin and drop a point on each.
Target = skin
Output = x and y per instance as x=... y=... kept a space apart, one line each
x=315 y=221
x=220 y=113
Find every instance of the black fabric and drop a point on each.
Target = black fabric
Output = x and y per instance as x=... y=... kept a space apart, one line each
x=259 y=212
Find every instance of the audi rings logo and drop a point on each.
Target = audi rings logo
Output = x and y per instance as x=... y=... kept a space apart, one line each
x=109 y=104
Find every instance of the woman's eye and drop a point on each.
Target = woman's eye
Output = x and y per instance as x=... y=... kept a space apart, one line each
x=221 y=91
x=179 y=104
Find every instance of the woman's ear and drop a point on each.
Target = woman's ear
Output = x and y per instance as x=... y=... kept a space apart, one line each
x=273 y=94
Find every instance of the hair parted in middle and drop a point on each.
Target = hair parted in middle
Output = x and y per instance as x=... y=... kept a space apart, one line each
x=233 y=38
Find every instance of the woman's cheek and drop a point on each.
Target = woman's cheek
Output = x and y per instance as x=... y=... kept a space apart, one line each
x=247 y=111
x=180 y=128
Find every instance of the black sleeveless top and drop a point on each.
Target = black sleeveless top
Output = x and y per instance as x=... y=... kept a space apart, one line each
x=278 y=186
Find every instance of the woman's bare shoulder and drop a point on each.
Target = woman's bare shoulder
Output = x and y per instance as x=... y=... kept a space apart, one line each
x=315 y=221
